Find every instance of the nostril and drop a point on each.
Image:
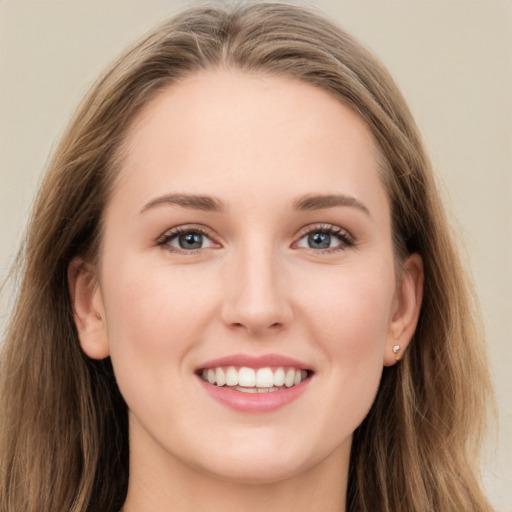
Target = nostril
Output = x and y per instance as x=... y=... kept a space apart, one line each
x=254 y=328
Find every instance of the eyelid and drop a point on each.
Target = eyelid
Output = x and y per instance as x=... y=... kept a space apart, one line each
x=347 y=240
x=171 y=233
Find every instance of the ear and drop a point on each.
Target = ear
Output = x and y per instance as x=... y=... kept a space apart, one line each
x=88 y=311
x=406 y=310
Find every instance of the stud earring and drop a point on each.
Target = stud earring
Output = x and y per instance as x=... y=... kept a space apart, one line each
x=396 y=350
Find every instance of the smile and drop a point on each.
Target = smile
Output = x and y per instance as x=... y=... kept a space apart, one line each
x=255 y=384
x=251 y=380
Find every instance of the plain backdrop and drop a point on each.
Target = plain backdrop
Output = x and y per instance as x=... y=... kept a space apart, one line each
x=452 y=59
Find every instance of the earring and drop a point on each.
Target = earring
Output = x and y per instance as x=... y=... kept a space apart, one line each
x=396 y=350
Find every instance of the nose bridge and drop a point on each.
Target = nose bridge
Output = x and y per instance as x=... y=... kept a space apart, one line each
x=255 y=290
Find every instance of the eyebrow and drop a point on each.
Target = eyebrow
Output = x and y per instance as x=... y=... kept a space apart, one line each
x=308 y=202
x=318 y=202
x=195 y=202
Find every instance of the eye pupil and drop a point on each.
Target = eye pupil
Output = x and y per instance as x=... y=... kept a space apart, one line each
x=191 y=240
x=319 y=240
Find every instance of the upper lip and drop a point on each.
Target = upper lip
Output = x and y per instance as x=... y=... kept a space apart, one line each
x=249 y=361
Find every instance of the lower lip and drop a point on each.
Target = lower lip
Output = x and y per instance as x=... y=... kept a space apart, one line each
x=254 y=402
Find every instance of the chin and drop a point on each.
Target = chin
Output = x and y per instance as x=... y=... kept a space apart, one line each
x=269 y=460
x=264 y=471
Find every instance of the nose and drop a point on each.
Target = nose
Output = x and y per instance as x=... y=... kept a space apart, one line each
x=256 y=297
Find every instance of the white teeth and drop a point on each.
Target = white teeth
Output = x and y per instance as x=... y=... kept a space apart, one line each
x=231 y=377
x=247 y=390
x=279 y=377
x=289 y=378
x=220 y=377
x=257 y=390
x=246 y=377
x=262 y=380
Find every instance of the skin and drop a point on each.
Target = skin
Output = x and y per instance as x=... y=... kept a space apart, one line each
x=258 y=144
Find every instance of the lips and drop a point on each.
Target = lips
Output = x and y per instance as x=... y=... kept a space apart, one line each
x=254 y=384
x=262 y=361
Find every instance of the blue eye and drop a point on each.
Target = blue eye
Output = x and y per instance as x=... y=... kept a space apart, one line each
x=326 y=238
x=319 y=240
x=186 y=240
x=190 y=241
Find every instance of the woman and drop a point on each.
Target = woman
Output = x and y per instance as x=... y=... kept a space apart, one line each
x=239 y=280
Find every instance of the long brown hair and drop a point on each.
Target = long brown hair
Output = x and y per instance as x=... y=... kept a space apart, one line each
x=64 y=434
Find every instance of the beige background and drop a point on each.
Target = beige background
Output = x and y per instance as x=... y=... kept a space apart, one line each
x=452 y=58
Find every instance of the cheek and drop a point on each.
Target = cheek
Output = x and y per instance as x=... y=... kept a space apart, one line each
x=350 y=310
x=154 y=299
x=349 y=322
x=154 y=318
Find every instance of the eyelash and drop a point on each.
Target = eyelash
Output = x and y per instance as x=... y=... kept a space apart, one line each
x=164 y=240
x=345 y=238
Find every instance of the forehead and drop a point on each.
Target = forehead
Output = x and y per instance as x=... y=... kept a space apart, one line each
x=258 y=134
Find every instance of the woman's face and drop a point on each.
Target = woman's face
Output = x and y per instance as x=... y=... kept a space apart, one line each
x=247 y=240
